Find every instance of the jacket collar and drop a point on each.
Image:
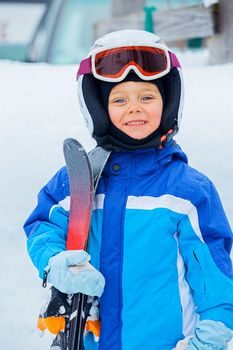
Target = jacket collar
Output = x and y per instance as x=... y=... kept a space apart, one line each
x=143 y=162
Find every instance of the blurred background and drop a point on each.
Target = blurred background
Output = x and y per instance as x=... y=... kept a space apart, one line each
x=61 y=31
x=41 y=45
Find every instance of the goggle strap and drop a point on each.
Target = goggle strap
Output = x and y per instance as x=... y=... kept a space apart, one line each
x=174 y=60
x=85 y=65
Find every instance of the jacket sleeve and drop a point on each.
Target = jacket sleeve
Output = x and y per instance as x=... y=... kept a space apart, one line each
x=205 y=241
x=46 y=228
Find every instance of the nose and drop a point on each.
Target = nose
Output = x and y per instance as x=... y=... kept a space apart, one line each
x=134 y=107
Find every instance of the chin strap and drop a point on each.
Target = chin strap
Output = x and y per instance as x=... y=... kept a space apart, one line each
x=167 y=137
x=118 y=141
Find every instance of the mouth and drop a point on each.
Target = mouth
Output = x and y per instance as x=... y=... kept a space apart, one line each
x=136 y=122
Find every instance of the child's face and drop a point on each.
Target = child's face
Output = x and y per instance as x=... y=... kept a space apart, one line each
x=135 y=108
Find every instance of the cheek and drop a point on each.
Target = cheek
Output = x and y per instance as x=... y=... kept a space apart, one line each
x=114 y=115
x=156 y=114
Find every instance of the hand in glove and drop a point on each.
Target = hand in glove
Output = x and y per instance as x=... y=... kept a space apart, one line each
x=70 y=272
x=208 y=335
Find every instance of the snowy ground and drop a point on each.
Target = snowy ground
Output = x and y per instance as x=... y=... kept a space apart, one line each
x=39 y=110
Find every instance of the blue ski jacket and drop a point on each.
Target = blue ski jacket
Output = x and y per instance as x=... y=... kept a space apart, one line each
x=160 y=237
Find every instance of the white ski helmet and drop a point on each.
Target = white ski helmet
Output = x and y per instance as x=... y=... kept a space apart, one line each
x=90 y=75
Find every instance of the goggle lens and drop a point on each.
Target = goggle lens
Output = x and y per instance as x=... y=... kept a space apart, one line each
x=112 y=63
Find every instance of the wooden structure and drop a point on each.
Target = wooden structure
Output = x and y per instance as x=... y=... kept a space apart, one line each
x=170 y=25
x=221 y=45
x=178 y=20
x=120 y=8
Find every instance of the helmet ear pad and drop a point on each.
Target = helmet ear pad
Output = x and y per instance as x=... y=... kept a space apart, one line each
x=172 y=83
x=92 y=98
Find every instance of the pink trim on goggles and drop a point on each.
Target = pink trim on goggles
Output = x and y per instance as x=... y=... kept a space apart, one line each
x=85 y=65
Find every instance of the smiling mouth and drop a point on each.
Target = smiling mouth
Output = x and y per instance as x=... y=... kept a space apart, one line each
x=136 y=123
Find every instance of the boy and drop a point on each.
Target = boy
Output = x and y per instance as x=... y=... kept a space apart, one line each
x=160 y=241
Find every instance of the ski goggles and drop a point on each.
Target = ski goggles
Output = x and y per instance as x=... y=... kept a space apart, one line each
x=114 y=63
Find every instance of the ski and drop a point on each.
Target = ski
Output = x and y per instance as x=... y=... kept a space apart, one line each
x=84 y=172
x=81 y=196
x=81 y=193
x=63 y=314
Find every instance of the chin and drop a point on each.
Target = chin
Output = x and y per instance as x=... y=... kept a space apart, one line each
x=138 y=137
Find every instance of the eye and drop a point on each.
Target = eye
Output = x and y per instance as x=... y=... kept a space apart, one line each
x=147 y=98
x=119 y=100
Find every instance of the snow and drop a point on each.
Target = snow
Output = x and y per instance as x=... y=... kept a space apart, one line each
x=39 y=109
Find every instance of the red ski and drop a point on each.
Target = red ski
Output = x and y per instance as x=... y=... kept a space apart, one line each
x=81 y=179
x=84 y=171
